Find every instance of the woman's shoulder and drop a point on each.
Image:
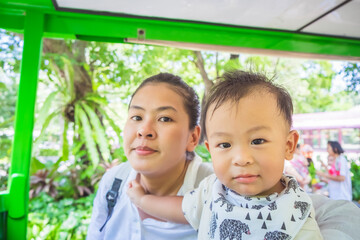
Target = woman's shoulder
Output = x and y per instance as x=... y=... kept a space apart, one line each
x=342 y=215
x=120 y=171
x=195 y=173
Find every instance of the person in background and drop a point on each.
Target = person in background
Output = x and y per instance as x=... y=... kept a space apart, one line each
x=332 y=167
x=339 y=180
x=298 y=168
x=307 y=151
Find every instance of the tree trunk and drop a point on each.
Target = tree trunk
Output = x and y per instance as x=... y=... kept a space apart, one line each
x=234 y=56
x=76 y=54
x=201 y=66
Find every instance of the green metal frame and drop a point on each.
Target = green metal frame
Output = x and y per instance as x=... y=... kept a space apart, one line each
x=38 y=19
x=17 y=197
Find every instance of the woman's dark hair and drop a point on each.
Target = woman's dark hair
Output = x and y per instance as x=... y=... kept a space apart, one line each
x=336 y=147
x=189 y=96
x=234 y=85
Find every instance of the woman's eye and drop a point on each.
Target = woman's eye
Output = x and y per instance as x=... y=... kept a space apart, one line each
x=165 y=119
x=258 y=141
x=224 y=145
x=136 y=118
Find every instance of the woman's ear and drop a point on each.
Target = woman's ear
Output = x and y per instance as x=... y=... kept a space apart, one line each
x=193 y=139
x=291 y=143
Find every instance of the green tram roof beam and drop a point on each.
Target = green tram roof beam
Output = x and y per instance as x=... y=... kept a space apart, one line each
x=172 y=32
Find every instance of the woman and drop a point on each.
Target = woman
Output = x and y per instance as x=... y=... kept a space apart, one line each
x=160 y=135
x=339 y=182
x=298 y=168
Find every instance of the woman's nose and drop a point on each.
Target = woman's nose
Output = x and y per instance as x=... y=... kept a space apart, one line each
x=146 y=131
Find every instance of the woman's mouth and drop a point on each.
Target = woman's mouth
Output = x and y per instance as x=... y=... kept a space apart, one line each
x=144 y=150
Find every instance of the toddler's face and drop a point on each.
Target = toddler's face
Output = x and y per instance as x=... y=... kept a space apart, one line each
x=248 y=142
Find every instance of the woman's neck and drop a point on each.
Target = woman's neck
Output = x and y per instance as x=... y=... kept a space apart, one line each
x=168 y=184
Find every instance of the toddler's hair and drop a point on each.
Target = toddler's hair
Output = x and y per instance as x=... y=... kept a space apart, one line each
x=234 y=85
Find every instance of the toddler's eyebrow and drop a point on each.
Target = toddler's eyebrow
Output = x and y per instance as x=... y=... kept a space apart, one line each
x=257 y=128
x=219 y=134
x=253 y=129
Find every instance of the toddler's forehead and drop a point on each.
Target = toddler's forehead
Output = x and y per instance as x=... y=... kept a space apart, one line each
x=230 y=107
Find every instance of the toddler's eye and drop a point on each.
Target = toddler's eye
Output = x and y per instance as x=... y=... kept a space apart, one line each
x=224 y=145
x=165 y=119
x=257 y=141
x=136 y=118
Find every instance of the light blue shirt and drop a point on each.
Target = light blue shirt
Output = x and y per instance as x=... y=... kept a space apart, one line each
x=125 y=222
x=341 y=190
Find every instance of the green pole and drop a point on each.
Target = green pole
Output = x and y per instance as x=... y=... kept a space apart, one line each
x=24 y=124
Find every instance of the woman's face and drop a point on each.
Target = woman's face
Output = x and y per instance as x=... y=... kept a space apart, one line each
x=330 y=150
x=156 y=133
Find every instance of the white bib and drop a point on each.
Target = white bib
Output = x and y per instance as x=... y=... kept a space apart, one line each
x=277 y=216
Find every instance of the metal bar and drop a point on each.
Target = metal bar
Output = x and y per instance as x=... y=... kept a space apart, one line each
x=24 y=124
x=323 y=15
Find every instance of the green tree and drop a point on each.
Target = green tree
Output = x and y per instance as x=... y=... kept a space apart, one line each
x=351 y=73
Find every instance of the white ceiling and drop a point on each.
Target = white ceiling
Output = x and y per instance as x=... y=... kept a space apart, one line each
x=289 y=15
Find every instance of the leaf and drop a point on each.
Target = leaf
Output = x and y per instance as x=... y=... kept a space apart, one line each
x=43 y=129
x=76 y=147
x=2 y=86
x=202 y=151
x=96 y=98
x=45 y=109
x=7 y=121
x=114 y=126
x=35 y=165
x=86 y=135
x=69 y=72
x=65 y=144
x=99 y=131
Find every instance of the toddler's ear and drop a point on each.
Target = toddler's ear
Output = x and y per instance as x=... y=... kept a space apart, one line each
x=291 y=143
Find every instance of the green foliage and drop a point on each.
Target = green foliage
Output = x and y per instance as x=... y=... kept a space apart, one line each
x=355 y=179
x=57 y=220
x=4 y=174
x=202 y=151
x=312 y=170
x=351 y=73
x=5 y=147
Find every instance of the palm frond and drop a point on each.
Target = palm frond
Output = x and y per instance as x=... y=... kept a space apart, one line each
x=87 y=135
x=47 y=121
x=44 y=111
x=112 y=123
x=65 y=142
x=94 y=97
x=99 y=132
x=69 y=72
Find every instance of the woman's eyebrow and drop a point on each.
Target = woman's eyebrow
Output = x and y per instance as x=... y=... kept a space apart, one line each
x=159 y=109
x=164 y=108
x=136 y=107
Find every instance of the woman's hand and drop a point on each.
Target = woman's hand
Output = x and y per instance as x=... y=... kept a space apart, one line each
x=321 y=174
x=136 y=191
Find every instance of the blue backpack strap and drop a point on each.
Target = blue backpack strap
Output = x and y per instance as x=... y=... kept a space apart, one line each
x=116 y=188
